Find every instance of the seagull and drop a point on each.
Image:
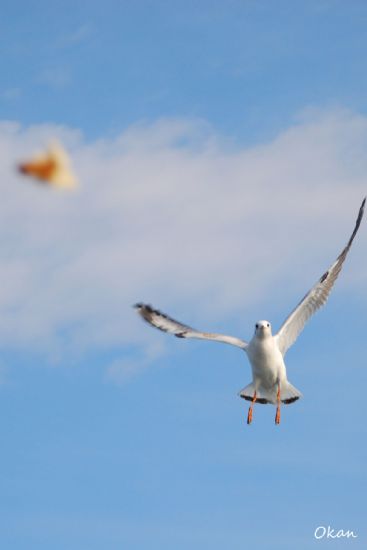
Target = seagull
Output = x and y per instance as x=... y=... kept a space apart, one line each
x=265 y=352
x=51 y=167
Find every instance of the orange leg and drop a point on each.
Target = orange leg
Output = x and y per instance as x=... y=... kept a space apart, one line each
x=249 y=415
x=277 y=416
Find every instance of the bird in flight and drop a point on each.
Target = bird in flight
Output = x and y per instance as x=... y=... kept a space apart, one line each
x=51 y=167
x=265 y=352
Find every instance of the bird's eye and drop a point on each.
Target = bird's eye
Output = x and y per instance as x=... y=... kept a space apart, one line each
x=268 y=325
x=256 y=326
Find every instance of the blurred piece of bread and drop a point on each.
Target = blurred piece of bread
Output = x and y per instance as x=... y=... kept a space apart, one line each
x=52 y=166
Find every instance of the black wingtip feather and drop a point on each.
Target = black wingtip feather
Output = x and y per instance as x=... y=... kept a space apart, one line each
x=145 y=311
x=324 y=277
x=361 y=211
x=146 y=307
x=358 y=222
x=345 y=251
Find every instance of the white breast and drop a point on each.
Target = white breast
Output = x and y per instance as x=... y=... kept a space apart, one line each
x=266 y=360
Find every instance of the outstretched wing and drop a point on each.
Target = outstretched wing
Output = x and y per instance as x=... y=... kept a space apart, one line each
x=316 y=297
x=167 y=324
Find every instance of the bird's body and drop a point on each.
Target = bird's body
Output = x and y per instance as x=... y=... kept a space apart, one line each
x=265 y=352
x=267 y=363
x=269 y=375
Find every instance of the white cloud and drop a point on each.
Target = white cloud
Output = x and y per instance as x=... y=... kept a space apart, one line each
x=173 y=214
x=80 y=34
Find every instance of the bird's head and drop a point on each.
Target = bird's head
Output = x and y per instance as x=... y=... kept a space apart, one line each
x=263 y=329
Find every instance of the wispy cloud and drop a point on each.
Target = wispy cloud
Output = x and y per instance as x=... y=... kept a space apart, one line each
x=173 y=214
x=123 y=370
x=78 y=35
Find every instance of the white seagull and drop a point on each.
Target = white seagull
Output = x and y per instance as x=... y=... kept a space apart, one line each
x=265 y=352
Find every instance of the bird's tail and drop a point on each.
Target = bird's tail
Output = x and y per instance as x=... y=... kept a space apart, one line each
x=288 y=394
x=262 y=396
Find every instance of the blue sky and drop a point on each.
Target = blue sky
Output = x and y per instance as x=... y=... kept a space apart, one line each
x=246 y=66
x=220 y=148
